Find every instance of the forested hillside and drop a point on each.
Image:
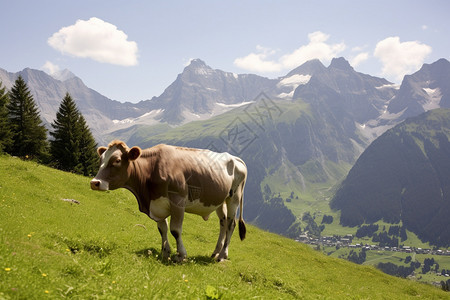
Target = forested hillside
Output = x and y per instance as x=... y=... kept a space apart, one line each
x=403 y=177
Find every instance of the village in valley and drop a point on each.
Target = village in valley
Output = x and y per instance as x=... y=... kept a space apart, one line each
x=347 y=241
x=422 y=264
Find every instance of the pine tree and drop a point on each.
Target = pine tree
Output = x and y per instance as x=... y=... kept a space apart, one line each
x=5 y=129
x=64 y=148
x=72 y=148
x=29 y=134
x=88 y=149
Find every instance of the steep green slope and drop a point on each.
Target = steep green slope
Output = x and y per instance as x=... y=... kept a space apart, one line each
x=104 y=248
x=404 y=176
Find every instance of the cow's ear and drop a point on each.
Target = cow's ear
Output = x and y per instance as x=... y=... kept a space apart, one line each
x=134 y=153
x=101 y=150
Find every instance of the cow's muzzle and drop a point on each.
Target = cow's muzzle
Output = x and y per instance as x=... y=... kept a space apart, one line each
x=99 y=185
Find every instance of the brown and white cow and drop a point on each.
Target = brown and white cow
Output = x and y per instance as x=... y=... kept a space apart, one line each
x=169 y=181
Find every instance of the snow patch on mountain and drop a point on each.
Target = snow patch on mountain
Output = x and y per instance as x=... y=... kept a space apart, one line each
x=150 y=114
x=234 y=105
x=388 y=86
x=292 y=82
x=434 y=98
x=376 y=127
x=124 y=121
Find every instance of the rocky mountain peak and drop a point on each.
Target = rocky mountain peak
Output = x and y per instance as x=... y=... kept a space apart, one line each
x=197 y=66
x=441 y=64
x=340 y=63
x=197 y=63
x=308 y=68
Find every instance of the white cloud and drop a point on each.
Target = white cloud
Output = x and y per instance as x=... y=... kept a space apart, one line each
x=359 y=48
x=317 y=48
x=50 y=68
x=258 y=62
x=400 y=58
x=424 y=27
x=359 y=58
x=96 y=39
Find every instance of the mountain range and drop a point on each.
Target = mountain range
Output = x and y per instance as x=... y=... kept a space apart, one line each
x=200 y=92
x=299 y=134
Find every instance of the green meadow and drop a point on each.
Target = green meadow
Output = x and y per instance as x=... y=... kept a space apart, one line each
x=97 y=245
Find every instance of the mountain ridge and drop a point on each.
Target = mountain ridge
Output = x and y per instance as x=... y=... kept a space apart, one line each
x=200 y=92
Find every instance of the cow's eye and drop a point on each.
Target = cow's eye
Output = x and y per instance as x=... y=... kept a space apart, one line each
x=118 y=161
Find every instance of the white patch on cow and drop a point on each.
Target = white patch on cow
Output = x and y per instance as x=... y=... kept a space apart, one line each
x=198 y=208
x=159 y=209
x=106 y=156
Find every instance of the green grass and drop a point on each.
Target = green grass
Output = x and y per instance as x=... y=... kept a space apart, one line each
x=103 y=248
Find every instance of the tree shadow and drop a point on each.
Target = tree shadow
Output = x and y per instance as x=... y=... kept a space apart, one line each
x=156 y=254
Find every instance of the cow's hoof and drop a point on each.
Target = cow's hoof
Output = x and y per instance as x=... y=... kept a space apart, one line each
x=165 y=253
x=180 y=258
x=220 y=258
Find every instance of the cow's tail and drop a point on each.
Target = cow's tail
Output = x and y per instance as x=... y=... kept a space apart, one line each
x=242 y=229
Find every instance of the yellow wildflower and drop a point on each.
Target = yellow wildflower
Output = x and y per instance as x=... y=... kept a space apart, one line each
x=44 y=275
x=7 y=269
x=46 y=291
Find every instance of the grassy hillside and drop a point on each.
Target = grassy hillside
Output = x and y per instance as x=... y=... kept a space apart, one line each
x=104 y=248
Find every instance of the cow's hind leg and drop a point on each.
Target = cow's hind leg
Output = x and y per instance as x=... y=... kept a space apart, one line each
x=222 y=214
x=230 y=224
x=165 y=248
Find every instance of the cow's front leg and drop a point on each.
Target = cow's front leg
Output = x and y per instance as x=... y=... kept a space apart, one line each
x=176 y=224
x=165 y=248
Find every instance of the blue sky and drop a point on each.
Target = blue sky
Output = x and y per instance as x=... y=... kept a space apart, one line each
x=132 y=50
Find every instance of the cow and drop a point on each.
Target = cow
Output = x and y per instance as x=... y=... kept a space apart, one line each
x=169 y=181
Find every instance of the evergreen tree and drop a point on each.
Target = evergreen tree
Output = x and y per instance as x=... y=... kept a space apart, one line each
x=29 y=134
x=72 y=148
x=5 y=129
x=88 y=149
x=64 y=146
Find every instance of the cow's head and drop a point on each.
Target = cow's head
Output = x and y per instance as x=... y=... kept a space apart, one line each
x=114 y=169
